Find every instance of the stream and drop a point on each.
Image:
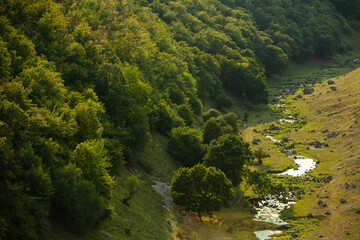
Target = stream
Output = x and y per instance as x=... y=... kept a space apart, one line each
x=268 y=210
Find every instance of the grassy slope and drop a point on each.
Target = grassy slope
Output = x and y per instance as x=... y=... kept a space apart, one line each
x=343 y=163
x=146 y=218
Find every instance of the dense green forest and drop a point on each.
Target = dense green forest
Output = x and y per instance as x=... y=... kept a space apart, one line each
x=84 y=84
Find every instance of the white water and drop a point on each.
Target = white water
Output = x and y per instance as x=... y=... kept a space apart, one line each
x=265 y=234
x=305 y=164
x=269 y=210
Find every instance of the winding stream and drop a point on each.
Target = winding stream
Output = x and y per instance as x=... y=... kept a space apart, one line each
x=269 y=210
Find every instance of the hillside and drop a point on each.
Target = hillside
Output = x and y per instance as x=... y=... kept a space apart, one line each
x=101 y=99
x=338 y=112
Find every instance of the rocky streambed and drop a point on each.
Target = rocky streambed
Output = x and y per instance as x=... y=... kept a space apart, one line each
x=269 y=210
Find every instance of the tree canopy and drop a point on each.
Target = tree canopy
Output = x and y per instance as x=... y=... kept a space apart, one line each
x=231 y=155
x=84 y=83
x=201 y=189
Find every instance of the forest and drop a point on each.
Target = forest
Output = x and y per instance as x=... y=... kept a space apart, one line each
x=84 y=84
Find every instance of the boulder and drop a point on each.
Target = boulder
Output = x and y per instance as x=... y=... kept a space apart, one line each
x=327 y=212
x=294 y=235
x=285 y=139
x=320 y=202
x=255 y=141
x=333 y=88
x=331 y=82
x=358 y=211
x=253 y=210
x=285 y=227
x=343 y=200
x=324 y=205
x=316 y=144
x=308 y=90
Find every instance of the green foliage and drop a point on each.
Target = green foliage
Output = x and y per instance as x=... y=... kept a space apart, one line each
x=246 y=116
x=223 y=101
x=263 y=185
x=201 y=189
x=259 y=154
x=186 y=114
x=149 y=64
x=185 y=144
x=212 y=130
x=231 y=121
x=131 y=185
x=211 y=113
x=77 y=203
x=91 y=157
x=231 y=155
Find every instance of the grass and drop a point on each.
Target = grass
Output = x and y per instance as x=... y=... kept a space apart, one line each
x=343 y=163
x=145 y=218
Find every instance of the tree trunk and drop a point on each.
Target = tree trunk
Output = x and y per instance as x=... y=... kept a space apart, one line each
x=126 y=201
x=199 y=215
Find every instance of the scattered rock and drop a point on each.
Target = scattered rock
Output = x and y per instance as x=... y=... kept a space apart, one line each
x=318 y=111
x=285 y=139
x=333 y=88
x=324 y=205
x=333 y=134
x=316 y=144
x=331 y=82
x=294 y=235
x=343 y=200
x=358 y=211
x=308 y=90
x=320 y=236
x=327 y=212
x=255 y=141
x=320 y=202
x=273 y=127
x=310 y=215
x=285 y=227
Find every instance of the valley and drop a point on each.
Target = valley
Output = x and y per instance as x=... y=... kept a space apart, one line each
x=327 y=116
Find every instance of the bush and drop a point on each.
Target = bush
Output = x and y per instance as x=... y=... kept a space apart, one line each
x=186 y=145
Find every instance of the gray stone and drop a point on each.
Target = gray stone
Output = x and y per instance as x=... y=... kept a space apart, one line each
x=333 y=88
x=253 y=210
x=310 y=215
x=255 y=141
x=343 y=200
x=327 y=212
x=331 y=82
x=320 y=202
x=294 y=235
x=308 y=90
